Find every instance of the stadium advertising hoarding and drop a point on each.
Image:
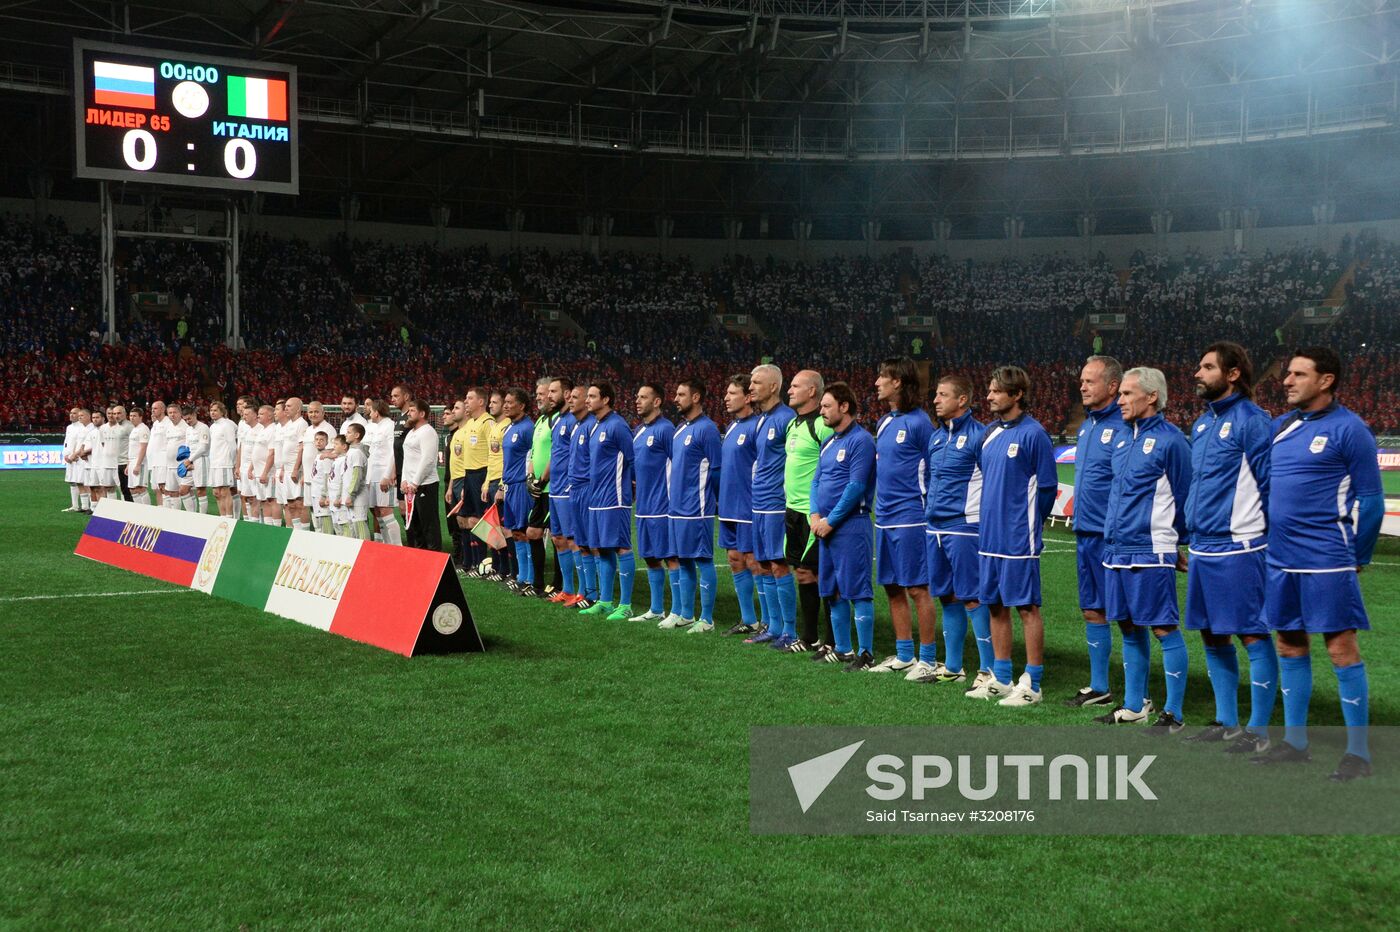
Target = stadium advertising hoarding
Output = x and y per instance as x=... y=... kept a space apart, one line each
x=400 y=599
x=31 y=456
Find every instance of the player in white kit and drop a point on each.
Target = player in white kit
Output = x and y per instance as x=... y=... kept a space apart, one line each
x=263 y=475
x=72 y=437
x=316 y=423
x=356 y=491
x=317 y=486
x=383 y=477
x=194 y=484
x=155 y=452
x=291 y=495
x=223 y=450
x=175 y=433
x=243 y=461
x=335 y=488
x=88 y=454
x=102 y=459
x=137 y=443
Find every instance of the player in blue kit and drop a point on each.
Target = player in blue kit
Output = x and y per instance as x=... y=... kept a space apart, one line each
x=1099 y=382
x=1144 y=522
x=1019 y=483
x=580 y=472
x=610 y=504
x=1225 y=515
x=953 y=514
x=695 y=476
x=840 y=503
x=651 y=463
x=1325 y=509
x=901 y=484
x=560 y=452
x=513 y=494
x=777 y=590
x=735 y=497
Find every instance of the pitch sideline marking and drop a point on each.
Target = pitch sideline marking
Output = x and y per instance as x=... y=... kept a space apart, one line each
x=87 y=595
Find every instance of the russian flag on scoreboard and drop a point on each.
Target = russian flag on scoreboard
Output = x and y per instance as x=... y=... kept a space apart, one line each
x=257 y=98
x=123 y=85
x=142 y=548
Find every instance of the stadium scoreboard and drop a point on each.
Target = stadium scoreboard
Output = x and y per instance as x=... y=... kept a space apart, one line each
x=179 y=118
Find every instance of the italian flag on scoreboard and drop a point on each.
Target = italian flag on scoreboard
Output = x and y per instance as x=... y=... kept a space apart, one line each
x=398 y=598
x=257 y=98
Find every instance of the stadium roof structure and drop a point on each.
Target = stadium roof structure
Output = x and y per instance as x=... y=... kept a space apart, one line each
x=910 y=111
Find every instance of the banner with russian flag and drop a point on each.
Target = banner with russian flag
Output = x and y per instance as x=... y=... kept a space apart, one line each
x=257 y=98
x=398 y=598
x=117 y=85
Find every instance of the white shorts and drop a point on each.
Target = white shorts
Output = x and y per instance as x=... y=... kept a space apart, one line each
x=220 y=478
x=73 y=472
x=381 y=499
x=265 y=491
x=309 y=497
x=173 y=480
x=103 y=478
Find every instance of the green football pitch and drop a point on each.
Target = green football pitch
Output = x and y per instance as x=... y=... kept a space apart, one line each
x=174 y=761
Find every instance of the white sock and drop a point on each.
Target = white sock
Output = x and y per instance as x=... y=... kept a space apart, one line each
x=392 y=534
x=187 y=503
x=85 y=501
x=172 y=501
x=75 y=496
x=300 y=525
x=275 y=522
x=204 y=504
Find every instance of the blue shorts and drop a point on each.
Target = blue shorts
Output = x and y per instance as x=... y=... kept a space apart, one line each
x=560 y=511
x=1318 y=603
x=610 y=528
x=953 y=566
x=736 y=535
x=1225 y=593
x=902 y=558
x=770 y=537
x=1008 y=581
x=515 y=510
x=654 y=538
x=843 y=561
x=1141 y=588
x=578 y=520
x=1088 y=549
x=693 y=538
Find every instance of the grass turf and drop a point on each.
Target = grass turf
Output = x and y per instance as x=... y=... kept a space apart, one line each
x=171 y=760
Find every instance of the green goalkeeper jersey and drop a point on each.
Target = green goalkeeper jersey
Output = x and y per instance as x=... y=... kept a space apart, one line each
x=542 y=444
x=805 y=437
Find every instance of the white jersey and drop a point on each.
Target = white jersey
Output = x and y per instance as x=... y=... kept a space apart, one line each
x=355 y=459
x=245 y=447
x=309 y=453
x=292 y=432
x=139 y=437
x=355 y=418
x=198 y=439
x=335 y=480
x=91 y=441
x=175 y=434
x=223 y=439
x=262 y=442
x=155 y=446
x=121 y=430
x=420 y=449
x=379 y=442
x=104 y=455
x=315 y=478
x=73 y=438
x=274 y=433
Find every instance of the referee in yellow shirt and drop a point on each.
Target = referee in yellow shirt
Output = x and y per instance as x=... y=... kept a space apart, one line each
x=503 y=564
x=475 y=432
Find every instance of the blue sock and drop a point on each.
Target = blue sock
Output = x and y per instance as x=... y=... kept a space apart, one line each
x=760 y=587
x=566 y=570
x=787 y=604
x=656 y=581
x=1035 y=671
x=1099 y=637
x=581 y=587
x=1263 y=684
x=709 y=588
x=904 y=650
x=674 y=578
x=841 y=625
x=687 y=591
x=523 y=573
x=607 y=569
x=954 y=634
x=1175 y=662
x=590 y=577
x=928 y=653
x=1295 y=681
x=1001 y=669
x=865 y=623
x=626 y=575
x=1223 y=668
x=1137 y=653
x=1356 y=712
x=981 y=618
x=769 y=595
x=743 y=588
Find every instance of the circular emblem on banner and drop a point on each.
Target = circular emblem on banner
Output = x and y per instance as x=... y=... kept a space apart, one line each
x=213 y=555
x=447 y=618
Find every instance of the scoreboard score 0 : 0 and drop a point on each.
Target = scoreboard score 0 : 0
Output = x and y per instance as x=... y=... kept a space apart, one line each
x=169 y=117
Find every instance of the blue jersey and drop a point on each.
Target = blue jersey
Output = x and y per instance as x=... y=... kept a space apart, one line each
x=1229 y=474
x=737 y=469
x=1151 y=480
x=515 y=447
x=847 y=460
x=955 y=479
x=695 y=469
x=1093 y=466
x=579 y=465
x=560 y=452
x=651 y=461
x=771 y=460
x=1016 y=460
x=901 y=468
x=610 y=463
x=1320 y=463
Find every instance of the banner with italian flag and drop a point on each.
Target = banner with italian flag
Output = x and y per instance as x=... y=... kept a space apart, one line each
x=402 y=599
x=257 y=98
